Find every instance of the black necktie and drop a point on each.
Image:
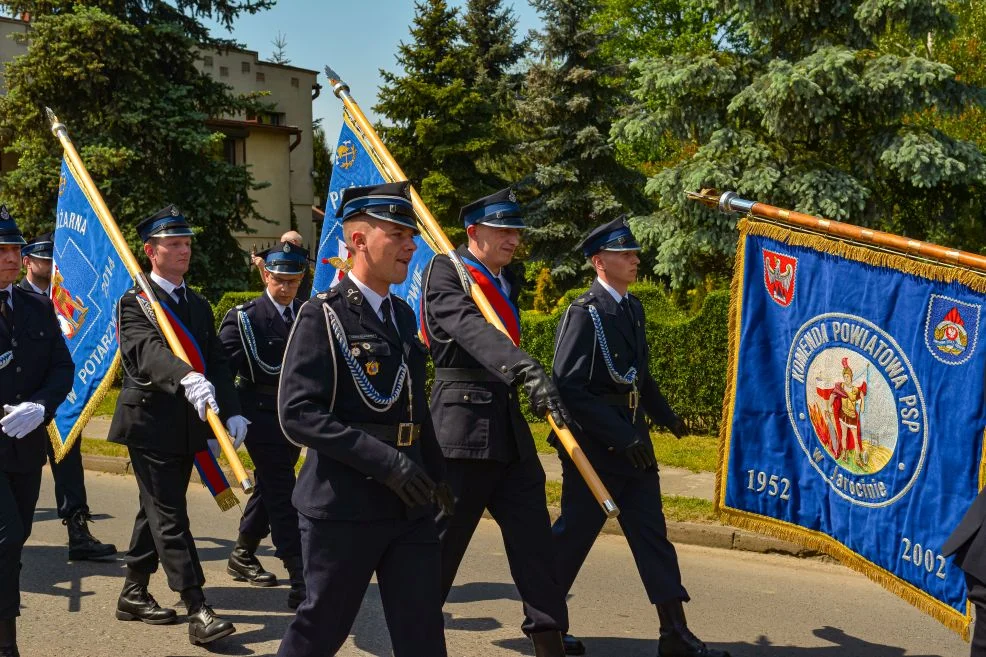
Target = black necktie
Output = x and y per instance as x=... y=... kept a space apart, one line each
x=6 y=311
x=625 y=305
x=387 y=323
x=182 y=302
x=288 y=318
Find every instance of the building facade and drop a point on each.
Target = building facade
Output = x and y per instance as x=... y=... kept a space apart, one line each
x=277 y=145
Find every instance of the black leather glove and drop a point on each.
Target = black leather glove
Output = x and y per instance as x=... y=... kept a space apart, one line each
x=410 y=482
x=541 y=391
x=445 y=499
x=678 y=428
x=639 y=454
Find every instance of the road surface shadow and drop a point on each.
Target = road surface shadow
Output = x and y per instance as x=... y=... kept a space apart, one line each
x=843 y=645
x=481 y=591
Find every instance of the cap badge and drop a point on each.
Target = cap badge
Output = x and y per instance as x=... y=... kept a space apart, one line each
x=511 y=196
x=174 y=211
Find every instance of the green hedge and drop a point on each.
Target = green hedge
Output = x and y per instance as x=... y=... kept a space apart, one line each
x=687 y=354
x=228 y=301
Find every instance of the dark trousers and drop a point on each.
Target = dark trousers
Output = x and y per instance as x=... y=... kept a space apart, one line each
x=18 y=496
x=70 y=483
x=514 y=494
x=977 y=596
x=269 y=509
x=641 y=517
x=161 y=531
x=340 y=558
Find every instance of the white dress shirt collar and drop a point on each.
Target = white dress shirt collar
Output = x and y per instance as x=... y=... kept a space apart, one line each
x=374 y=299
x=609 y=288
x=35 y=287
x=279 y=307
x=167 y=285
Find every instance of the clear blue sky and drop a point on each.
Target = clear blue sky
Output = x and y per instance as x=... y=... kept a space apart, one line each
x=355 y=38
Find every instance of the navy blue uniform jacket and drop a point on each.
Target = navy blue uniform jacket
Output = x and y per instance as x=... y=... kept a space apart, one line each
x=40 y=371
x=605 y=430
x=318 y=400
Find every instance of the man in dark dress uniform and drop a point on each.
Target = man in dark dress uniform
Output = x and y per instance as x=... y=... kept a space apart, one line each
x=254 y=335
x=601 y=369
x=491 y=459
x=968 y=544
x=160 y=418
x=70 y=483
x=352 y=392
x=36 y=373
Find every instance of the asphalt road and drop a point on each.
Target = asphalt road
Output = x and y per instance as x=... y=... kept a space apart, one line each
x=750 y=604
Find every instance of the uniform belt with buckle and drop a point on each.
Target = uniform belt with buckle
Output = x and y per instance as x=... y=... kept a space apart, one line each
x=626 y=400
x=404 y=434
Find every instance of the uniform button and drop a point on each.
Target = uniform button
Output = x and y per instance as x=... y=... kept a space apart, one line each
x=616 y=355
x=464 y=397
x=17 y=369
x=503 y=368
x=510 y=395
x=42 y=334
x=17 y=396
x=13 y=343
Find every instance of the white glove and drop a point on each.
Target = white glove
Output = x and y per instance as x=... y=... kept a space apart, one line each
x=200 y=393
x=213 y=446
x=22 y=419
x=237 y=428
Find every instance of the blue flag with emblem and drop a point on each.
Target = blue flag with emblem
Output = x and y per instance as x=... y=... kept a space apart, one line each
x=88 y=277
x=855 y=407
x=355 y=166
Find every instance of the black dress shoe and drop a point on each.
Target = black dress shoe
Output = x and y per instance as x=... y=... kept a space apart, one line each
x=81 y=543
x=244 y=566
x=548 y=644
x=573 y=646
x=136 y=603
x=676 y=639
x=683 y=643
x=205 y=627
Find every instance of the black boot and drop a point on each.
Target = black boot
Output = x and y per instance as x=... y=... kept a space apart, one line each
x=204 y=626
x=572 y=645
x=676 y=639
x=136 y=603
x=81 y=543
x=296 y=576
x=548 y=644
x=8 y=638
x=245 y=567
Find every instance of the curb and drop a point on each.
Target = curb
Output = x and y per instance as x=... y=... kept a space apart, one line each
x=688 y=533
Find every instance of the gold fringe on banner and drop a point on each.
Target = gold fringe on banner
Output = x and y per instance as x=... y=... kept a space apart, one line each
x=226 y=499
x=813 y=540
x=61 y=447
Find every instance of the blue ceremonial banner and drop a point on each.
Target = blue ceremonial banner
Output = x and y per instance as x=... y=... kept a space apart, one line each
x=355 y=166
x=88 y=278
x=855 y=407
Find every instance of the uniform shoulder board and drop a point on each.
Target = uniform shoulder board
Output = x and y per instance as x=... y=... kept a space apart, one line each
x=244 y=306
x=584 y=299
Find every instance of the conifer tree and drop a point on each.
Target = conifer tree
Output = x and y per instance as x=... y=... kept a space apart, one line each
x=821 y=106
x=435 y=116
x=122 y=77
x=569 y=102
